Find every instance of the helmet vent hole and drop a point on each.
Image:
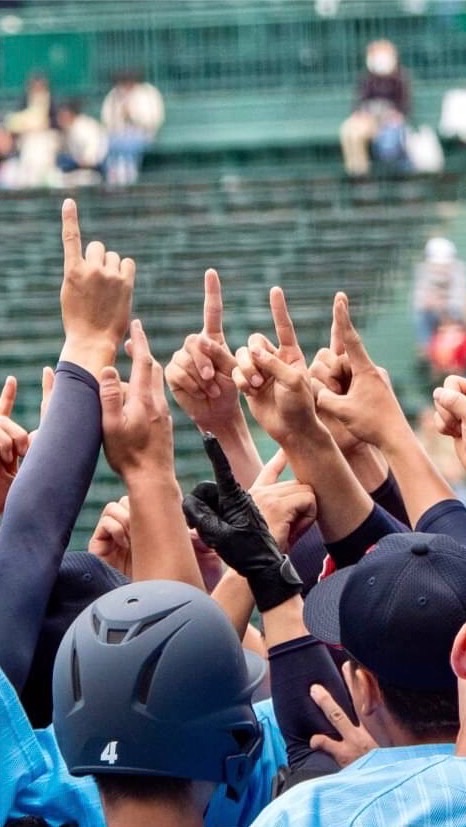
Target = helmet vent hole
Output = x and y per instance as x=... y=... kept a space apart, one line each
x=76 y=676
x=145 y=627
x=116 y=635
x=242 y=737
x=145 y=680
x=96 y=623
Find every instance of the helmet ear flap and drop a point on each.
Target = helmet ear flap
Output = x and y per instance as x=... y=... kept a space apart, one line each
x=238 y=768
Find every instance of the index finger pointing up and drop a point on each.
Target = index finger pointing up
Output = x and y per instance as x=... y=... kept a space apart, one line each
x=281 y=318
x=213 y=305
x=357 y=353
x=71 y=235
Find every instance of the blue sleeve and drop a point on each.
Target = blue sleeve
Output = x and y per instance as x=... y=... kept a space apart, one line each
x=388 y=497
x=294 y=667
x=40 y=511
x=349 y=550
x=445 y=517
x=308 y=554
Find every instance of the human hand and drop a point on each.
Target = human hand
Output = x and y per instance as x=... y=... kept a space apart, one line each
x=275 y=380
x=137 y=425
x=369 y=409
x=199 y=375
x=330 y=369
x=227 y=520
x=450 y=413
x=14 y=440
x=355 y=740
x=289 y=507
x=95 y=297
x=111 y=539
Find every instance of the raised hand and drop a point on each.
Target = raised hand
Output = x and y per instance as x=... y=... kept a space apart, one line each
x=288 y=507
x=369 y=406
x=450 y=413
x=137 y=424
x=227 y=519
x=95 y=297
x=111 y=539
x=14 y=440
x=275 y=380
x=199 y=375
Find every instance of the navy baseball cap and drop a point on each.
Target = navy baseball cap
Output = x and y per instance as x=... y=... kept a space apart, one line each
x=397 y=610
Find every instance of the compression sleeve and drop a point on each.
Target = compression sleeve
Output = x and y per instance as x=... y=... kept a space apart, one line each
x=445 y=517
x=40 y=511
x=294 y=667
x=350 y=549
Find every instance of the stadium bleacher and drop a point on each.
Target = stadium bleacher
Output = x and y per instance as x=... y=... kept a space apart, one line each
x=246 y=177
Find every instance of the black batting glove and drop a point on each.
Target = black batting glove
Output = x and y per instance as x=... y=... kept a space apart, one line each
x=228 y=520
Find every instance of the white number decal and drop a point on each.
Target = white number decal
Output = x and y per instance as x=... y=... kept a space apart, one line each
x=109 y=753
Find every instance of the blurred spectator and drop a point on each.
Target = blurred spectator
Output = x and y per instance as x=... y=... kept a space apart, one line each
x=132 y=113
x=439 y=300
x=34 y=127
x=84 y=140
x=378 y=121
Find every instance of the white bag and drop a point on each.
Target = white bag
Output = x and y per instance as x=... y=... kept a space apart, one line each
x=424 y=149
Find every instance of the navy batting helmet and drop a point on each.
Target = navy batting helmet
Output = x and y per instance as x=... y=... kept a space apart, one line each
x=151 y=679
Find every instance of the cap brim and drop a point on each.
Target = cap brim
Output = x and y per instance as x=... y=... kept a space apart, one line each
x=322 y=607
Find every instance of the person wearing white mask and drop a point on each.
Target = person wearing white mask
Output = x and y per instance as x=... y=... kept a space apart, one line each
x=382 y=106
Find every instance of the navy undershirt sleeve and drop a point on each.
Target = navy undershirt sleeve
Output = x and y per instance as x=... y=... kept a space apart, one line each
x=388 y=497
x=294 y=667
x=40 y=511
x=445 y=517
x=350 y=549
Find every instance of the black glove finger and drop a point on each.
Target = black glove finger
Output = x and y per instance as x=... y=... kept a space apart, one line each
x=226 y=482
x=207 y=491
x=211 y=529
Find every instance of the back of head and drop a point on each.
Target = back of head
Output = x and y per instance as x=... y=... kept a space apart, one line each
x=151 y=679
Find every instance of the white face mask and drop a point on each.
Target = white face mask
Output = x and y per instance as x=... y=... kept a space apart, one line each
x=381 y=63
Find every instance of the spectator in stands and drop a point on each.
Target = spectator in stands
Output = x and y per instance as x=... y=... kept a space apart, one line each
x=440 y=300
x=132 y=112
x=84 y=141
x=377 y=123
x=34 y=127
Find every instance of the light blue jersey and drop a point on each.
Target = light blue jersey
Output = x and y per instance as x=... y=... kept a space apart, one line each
x=34 y=779
x=418 y=786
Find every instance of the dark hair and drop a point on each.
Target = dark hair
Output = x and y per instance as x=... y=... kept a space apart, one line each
x=34 y=821
x=115 y=788
x=426 y=714
x=431 y=714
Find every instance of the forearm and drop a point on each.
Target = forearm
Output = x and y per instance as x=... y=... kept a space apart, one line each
x=368 y=465
x=342 y=502
x=421 y=485
x=92 y=353
x=41 y=508
x=160 y=544
x=233 y=594
x=237 y=442
x=294 y=667
x=350 y=549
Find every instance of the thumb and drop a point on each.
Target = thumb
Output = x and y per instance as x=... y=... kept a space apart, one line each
x=331 y=403
x=272 y=469
x=452 y=400
x=111 y=398
x=322 y=742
